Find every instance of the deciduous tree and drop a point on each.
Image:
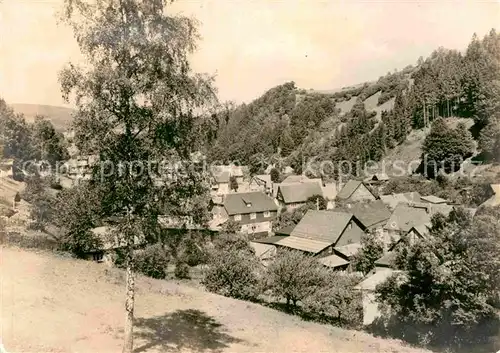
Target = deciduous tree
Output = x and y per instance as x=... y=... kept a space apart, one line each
x=138 y=105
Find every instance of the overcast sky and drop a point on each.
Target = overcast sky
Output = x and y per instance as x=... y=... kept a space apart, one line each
x=254 y=45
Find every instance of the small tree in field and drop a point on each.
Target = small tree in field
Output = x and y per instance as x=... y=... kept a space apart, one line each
x=294 y=276
x=138 y=108
x=336 y=301
x=372 y=249
x=232 y=268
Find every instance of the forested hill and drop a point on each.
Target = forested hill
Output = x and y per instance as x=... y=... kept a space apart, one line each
x=366 y=121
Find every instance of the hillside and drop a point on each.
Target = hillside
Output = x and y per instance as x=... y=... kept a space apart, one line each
x=363 y=122
x=60 y=117
x=53 y=304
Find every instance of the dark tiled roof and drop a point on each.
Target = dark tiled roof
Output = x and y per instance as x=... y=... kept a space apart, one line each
x=299 y=192
x=286 y=230
x=269 y=240
x=326 y=226
x=371 y=213
x=405 y=216
x=221 y=177
x=432 y=199
x=408 y=197
x=249 y=202
x=349 y=188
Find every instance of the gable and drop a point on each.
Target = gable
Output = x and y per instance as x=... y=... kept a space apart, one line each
x=325 y=226
x=299 y=192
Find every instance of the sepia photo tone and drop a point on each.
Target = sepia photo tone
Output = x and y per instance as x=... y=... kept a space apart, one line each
x=249 y=176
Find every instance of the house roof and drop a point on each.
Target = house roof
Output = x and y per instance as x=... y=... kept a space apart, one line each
x=405 y=216
x=371 y=213
x=221 y=176
x=303 y=244
x=248 y=202
x=270 y=240
x=299 y=192
x=263 y=251
x=333 y=261
x=294 y=179
x=378 y=177
x=286 y=230
x=371 y=282
x=325 y=226
x=349 y=188
x=433 y=199
x=349 y=250
x=495 y=199
x=394 y=199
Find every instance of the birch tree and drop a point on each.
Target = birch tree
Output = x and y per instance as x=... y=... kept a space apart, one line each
x=138 y=107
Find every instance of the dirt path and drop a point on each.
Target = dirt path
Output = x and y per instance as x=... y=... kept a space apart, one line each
x=52 y=304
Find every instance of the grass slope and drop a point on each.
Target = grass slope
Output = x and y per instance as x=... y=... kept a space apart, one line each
x=55 y=304
x=59 y=116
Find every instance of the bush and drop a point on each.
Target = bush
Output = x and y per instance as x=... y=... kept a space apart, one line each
x=336 y=302
x=232 y=274
x=233 y=243
x=294 y=276
x=153 y=261
x=192 y=253
x=181 y=270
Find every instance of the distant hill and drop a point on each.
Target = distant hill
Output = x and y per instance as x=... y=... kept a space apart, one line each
x=60 y=117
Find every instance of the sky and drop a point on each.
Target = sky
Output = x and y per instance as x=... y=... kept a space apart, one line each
x=254 y=45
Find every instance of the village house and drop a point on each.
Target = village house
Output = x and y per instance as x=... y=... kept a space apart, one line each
x=393 y=200
x=221 y=177
x=433 y=199
x=295 y=195
x=110 y=244
x=355 y=191
x=377 y=179
x=414 y=234
x=367 y=289
x=253 y=211
x=220 y=182
x=333 y=237
x=261 y=183
x=80 y=168
x=407 y=216
x=374 y=215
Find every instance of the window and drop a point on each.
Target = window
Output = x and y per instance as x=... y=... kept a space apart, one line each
x=97 y=257
x=237 y=217
x=253 y=215
x=267 y=214
x=350 y=225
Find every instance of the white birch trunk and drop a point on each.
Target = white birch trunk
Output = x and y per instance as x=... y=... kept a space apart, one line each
x=128 y=341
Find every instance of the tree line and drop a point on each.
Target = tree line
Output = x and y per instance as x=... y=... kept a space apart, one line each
x=297 y=124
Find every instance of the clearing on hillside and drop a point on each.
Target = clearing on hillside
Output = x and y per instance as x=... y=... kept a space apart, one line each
x=55 y=304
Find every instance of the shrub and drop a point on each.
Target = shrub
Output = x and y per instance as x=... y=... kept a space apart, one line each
x=181 y=270
x=232 y=273
x=335 y=302
x=233 y=243
x=294 y=276
x=192 y=253
x=372 y=250
x=153 y=261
